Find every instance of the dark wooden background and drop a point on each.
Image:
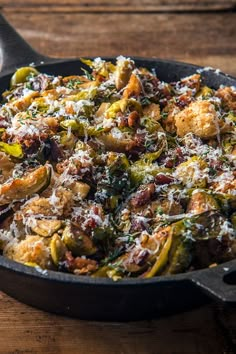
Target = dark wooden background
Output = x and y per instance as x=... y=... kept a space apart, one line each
x=196 y=31
x=200 y=32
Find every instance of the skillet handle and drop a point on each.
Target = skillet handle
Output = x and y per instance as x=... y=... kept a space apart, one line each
x=14 y=51
x=218 y=282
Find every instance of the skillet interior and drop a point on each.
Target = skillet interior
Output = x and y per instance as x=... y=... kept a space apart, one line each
x=104 y=299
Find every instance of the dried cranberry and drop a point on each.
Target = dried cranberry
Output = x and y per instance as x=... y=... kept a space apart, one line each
x=163 y=179
x=143 y=196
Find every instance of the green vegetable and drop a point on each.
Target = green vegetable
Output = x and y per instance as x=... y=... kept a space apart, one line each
x=142 y=169
x=46 y=228
x=77 y=242
x=115 y=183
x=151 y=124
x=162 y=258
x=121 y=106
x=67 y=140
x=81 y=127
x=14 y=150
x=22 y=74
x=58 y=249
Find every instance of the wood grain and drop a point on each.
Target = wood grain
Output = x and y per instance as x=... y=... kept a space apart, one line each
x=26 y=330
x=120 y=5
x=206 y=39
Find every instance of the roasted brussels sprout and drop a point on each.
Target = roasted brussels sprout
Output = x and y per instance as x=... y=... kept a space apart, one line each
x=20 y=188
x=22 y=74
x=78 y=242
x=58 y=249
x=46 y=227
x=14 y=150
x=201 y=202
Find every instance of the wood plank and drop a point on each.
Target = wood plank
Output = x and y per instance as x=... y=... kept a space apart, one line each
x=27 y=330
x=207 y=40
x=130 y=3
x=116 y=9
x=118 y=5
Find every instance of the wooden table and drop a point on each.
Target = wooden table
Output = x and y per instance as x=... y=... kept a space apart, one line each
x=197 y=31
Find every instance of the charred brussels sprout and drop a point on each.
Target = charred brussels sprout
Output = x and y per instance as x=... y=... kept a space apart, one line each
x=115 y=181
x=78 y=242
x=46 y=228
x=201 y=202
x=21 y=188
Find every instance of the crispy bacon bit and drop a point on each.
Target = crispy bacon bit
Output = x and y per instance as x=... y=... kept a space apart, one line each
x=133 y=119
x=74 y=167
x=122 y=120
x=88 y=219
x=184 y=100
x=3 y=122
x=193 y=82
x=143 y=196
x=80 y=265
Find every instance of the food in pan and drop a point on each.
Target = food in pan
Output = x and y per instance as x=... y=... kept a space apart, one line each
x=115 y=173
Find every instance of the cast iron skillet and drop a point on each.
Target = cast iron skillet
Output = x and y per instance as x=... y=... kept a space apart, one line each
x=101 y=298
